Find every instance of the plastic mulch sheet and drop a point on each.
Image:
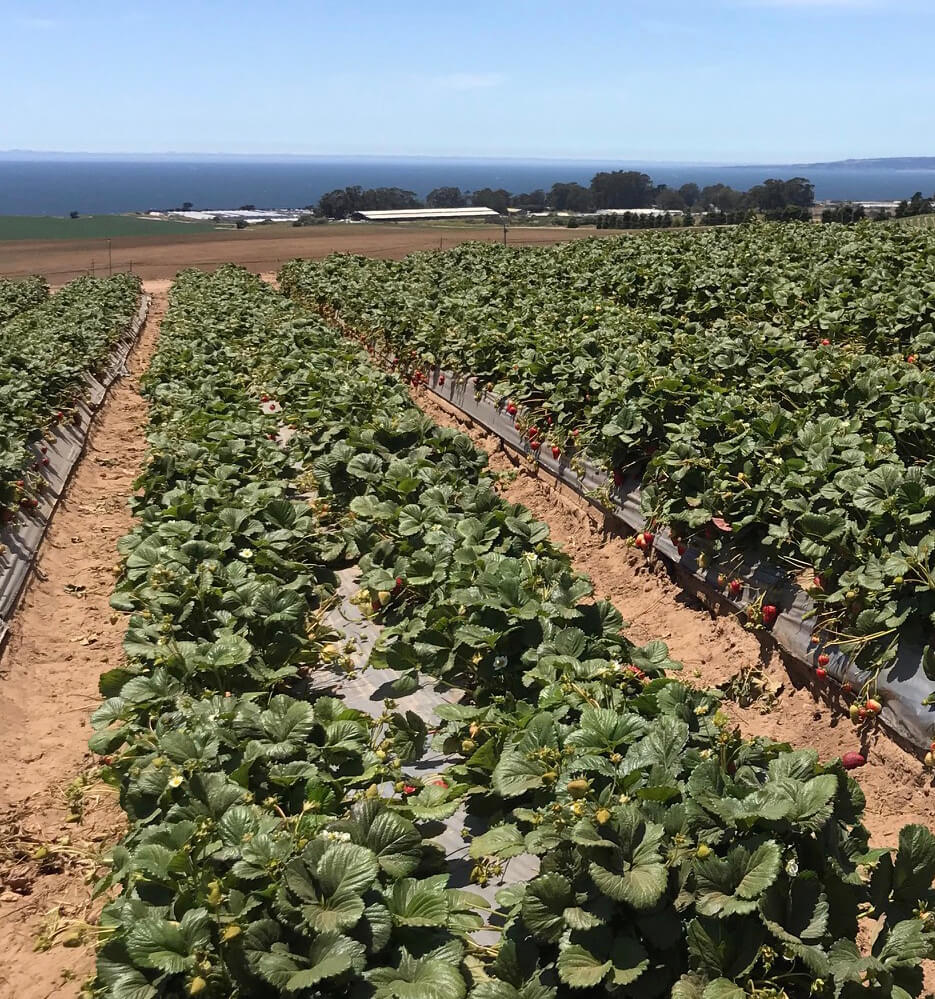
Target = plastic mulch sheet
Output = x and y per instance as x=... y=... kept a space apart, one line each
x=366 y=692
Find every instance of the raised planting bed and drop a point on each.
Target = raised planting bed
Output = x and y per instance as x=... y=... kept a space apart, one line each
x=283 y=841
x=44 y=449
x=762 y=399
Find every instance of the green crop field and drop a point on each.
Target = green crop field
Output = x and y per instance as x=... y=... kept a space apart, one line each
x=283 y=842
x=771 y=385
x=92 y=227
x=918 y=221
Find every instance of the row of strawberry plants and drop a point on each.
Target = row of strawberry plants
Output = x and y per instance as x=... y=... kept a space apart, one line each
x=794 y=438
x=17 y=296
x=45 y=352
x=275 y=845
x=262 y=858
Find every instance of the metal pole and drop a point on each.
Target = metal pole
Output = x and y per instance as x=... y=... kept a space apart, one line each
x=110 y=261
x=92 y=266
x=504 y=233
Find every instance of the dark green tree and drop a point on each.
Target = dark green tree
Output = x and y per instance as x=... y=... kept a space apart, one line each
x=622 y=189
x=570 y=198
x=446 y=197
x=533 y=201
x=670 y=200
x=486 y=197
x=722 y=198
x=690 y=194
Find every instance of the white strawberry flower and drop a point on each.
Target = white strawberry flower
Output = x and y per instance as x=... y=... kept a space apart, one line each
x=245 y=553
x=270 y=407
x=175 y=781
x=337 y=837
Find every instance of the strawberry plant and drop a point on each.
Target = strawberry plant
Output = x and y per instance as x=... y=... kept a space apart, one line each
x=755 y=378
x=18 y=296
x=47 y=345
x=277 y=845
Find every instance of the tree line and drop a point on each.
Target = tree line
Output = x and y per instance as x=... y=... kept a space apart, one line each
x=608 y=189
x=916 y=205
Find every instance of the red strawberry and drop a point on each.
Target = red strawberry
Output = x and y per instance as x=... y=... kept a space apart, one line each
x=680 y=548
x=824 y=659
x=575 y=432
x=45 y=461
x=400 y=582
x=770 y=614
x=409 y=789
x=534 y=431
x=556 y=451
x=264 y=398
x=817 y=584
x=852 y=761
x=644 y=540
x=912 y=358
x=873 y=706
x=548 y=420
x=821 y=672
x=826 y=343
x=375 y=604
x=511 y=409
x=735 y=586
x=535 y=444
x=43 y=449
x=441 y=379
x=861 y=713
x=439 y=782
x=846 y=686
x=59 y=416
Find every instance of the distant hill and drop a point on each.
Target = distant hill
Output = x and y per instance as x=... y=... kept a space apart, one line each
x=883 y=163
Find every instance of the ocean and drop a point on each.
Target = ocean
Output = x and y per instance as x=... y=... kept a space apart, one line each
x=102 y=186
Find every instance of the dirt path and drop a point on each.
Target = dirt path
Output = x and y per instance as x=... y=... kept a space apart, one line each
x=712 y=648
x=61 y=639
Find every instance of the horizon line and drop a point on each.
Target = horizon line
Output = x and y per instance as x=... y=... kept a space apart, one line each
x=590 y=160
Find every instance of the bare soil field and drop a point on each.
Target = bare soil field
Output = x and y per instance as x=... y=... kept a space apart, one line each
x=161 y=257
x=55 y=818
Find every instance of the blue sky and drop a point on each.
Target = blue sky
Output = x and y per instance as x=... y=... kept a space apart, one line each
x=691 y=80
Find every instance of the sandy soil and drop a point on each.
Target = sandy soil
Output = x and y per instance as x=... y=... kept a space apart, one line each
x=712 y=647
x=61 y=639
x=259 y=249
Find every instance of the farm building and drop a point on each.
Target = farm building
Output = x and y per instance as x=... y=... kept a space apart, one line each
x=424 y=214
x=632 y=211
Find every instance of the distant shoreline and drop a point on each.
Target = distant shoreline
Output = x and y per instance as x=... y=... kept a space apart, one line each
x=605 y=162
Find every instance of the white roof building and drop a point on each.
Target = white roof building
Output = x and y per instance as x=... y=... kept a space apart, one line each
x=419 y=214
x=634 y=211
